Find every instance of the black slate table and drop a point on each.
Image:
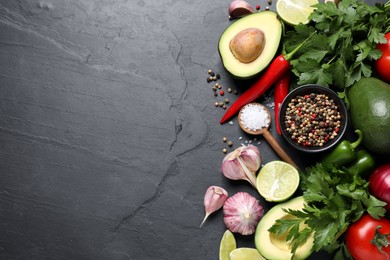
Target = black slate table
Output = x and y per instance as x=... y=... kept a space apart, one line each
x=109 y=135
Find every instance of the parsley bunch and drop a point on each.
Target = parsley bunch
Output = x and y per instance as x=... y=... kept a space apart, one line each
x=334 y=198
x=343 y=45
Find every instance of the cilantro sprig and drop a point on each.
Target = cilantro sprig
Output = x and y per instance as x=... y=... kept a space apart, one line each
x=334 y=198
x=343 y=46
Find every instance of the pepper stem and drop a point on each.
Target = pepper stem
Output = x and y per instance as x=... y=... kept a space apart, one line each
x=249 y=175
x=288 y=56
x=355 y=144
x=380 y=240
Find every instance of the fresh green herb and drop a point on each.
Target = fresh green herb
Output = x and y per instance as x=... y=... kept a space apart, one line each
x=334 y=197
x=343 y=45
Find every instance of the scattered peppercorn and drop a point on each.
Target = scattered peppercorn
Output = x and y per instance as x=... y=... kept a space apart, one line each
x=270 y=2
x=257 y=7
x=235 y=92
x=215 y=94
x=218 y=76
x=230 y=90
x=224 y=139
x=227 y=101
x=224 y=106
x=267 y=8
x=209 y=71
x=224 y=150
x=222 y=92
x=216 y=104
x=230 y=143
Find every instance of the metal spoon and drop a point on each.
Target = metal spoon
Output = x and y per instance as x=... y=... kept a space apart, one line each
x=267 y=135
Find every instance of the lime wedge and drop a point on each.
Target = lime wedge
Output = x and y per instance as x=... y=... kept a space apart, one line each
x=228 y=244
x=295 y=11
x=277 y=181
x=245 y=253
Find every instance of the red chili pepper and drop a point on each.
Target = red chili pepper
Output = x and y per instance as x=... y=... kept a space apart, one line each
x=277 y=68
x=274 y=72
x=280 y=92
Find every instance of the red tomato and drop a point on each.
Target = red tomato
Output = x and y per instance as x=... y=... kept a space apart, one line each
x=382 y=65
x=360 y=234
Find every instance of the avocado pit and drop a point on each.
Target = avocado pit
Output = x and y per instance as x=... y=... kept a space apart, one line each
x=269 y=24
x=247 y=45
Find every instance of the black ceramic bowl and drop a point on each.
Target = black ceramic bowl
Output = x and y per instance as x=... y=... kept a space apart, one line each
x=304 y=91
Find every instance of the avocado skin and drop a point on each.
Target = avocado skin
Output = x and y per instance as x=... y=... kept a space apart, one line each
x=369 y=101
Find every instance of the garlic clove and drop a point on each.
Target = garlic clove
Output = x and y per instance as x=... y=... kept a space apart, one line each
x=242 y=212
x=231 y=169
x=242 y=164
x=239 y=8
x=214 y=199
x=252 y=158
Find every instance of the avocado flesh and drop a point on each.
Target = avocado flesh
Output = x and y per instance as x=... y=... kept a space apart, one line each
x=268 y=23
x=369 y=101
x=275 y=247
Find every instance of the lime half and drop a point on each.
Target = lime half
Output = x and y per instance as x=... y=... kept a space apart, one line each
x=228 y=244
x=295 y=11
x=277 y=181
x=245 y=253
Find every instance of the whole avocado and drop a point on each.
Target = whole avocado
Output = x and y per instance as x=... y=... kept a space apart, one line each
x=369 y=101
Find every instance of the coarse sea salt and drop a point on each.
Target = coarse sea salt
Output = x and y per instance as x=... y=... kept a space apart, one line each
x=254 y=117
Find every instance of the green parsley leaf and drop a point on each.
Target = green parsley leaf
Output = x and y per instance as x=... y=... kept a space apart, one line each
x=345 y=42
x=334 y=198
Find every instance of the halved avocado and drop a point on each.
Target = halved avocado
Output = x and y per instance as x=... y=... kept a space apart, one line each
x=270 y=27
x=275 y=247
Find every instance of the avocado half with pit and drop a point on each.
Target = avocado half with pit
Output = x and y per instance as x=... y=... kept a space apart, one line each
x=275 y=247
x=248 y=45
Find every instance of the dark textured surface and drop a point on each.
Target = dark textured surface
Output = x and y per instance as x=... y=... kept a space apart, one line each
x=108 y=132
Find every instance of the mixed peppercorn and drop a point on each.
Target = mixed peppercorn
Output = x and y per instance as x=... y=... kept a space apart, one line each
x=312 y=120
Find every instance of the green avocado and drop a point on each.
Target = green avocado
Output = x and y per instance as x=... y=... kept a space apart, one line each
x=369 y=106
x=275 y=247
x=248 y=45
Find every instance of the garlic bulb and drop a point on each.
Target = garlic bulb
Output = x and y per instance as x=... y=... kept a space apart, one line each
x=214 y=199
x=242 y=212
x=242 y=164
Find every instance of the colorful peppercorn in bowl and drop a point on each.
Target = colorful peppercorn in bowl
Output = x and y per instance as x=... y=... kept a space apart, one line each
x=313 y=118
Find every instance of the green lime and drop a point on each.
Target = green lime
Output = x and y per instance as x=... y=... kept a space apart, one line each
x=245 y=253
x=295 y=11
x=277 y=181
x=228 y=244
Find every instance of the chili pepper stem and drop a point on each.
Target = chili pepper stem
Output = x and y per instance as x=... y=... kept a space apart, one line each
x=358 y=141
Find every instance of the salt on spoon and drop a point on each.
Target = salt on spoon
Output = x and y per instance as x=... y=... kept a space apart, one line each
x=255 y=119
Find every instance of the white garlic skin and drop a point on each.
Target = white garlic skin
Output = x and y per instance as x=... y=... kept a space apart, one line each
x=242 y=212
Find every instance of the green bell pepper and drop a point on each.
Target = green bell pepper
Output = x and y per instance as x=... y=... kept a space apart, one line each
x=364 y=163
x=344 y=153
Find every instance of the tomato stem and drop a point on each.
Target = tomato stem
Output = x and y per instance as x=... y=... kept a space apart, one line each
x=381 y=240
